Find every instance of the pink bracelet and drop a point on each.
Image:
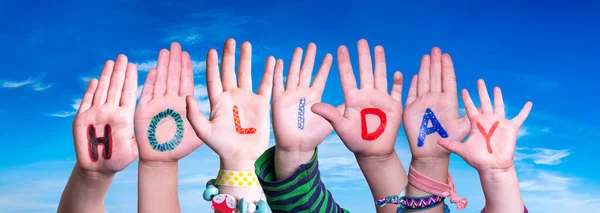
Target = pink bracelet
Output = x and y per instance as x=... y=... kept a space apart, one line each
x=429 y=185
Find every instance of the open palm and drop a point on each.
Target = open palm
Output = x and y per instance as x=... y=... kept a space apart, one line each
x=434 y=88
x=372 y=96
x=164 y=134
x=239 y=119
x=107 y=106
x=491 y=144
x=295 y=126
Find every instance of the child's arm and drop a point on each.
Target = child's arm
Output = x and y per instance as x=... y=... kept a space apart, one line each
x=490 y=149
x=370 y=122
x=432 y=113
x=163 y=133
x=238 y=129
x=103 y=136
x=292 y=163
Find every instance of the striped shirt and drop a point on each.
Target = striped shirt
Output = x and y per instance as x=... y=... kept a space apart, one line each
x=301 y=192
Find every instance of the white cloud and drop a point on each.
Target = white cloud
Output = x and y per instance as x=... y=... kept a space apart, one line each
x=36 y=83
x=198 y=179
x=541 y=155
x=200 y=91
x=546 y=182
x=74 y=105
x=197 y=66
x=523 y=131
x=145 y=66
x=86 y=79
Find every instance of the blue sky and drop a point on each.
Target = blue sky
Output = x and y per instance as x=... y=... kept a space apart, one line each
x=543 y=51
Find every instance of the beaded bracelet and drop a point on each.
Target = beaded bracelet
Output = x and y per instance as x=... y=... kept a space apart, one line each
x=227 y=204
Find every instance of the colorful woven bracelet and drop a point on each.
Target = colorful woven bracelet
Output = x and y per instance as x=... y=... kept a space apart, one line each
x=420 y=203
x=401 y=210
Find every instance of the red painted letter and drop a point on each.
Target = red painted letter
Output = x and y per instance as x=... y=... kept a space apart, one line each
x=363 y=119
x=238 y=124
x=487 y=135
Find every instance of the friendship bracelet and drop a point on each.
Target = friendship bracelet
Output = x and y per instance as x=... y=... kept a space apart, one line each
x=237 y=178
x=401 y=210
x=420 y=203
x=429 y=185
x=226 y=203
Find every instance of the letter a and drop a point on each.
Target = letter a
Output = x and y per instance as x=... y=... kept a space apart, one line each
x=363 y=119
x=435 y=127
x=238 y=124
x=105 y=141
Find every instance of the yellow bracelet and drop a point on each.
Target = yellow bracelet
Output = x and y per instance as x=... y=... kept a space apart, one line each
x=237 y=178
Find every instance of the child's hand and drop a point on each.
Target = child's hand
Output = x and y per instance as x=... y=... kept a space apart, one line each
x=370 y=122
x=434 y=89
x=103 y=127
x=295 y=126
x=164 y=133
x=238 y=129
x=491 y=145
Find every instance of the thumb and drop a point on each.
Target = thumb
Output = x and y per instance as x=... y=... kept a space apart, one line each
x=330 y=114
x=196 y=118
x=452 y=146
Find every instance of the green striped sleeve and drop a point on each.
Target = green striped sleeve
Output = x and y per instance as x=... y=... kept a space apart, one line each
x=302 y=192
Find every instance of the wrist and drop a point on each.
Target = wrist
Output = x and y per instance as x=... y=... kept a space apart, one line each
x=498 y=176
x=237 y=164
x=92 y=175
x=379 y=159
x=287 y=162
x=158 y=164
x=434 y=168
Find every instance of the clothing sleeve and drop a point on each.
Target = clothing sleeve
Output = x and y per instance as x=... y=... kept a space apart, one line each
x=302 y=192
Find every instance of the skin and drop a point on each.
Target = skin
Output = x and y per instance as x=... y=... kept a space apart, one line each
x=496 y=170
x=108 y=101
x=435 y=88
x=295 y=147
x=165 y=87
x=377 y=158
x=236 y=151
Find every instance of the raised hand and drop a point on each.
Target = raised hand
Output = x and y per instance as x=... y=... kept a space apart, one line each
x=491 y=144
x=103 y=136
x=371 y=119
x=103 y=127
x=296 y=127
x=238 y=129
x=164 y=133
x=370 y=122
x=432 y=108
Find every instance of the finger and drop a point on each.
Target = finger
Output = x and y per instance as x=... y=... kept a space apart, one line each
x=435 y=77
x=469 y=106
x=498 y=102
x=520 y=118
x=345 y=69
x=412 y=91
x=228 y=65
x=423 y=82
x=484 y=97
x=448 y=76
x=322 y=74
x=174 y=69
x=245 y=67
x=116 y=81
x=397 y=87
x=365 y=66
x=196 y=118
x=88 y=97
x=278 y=79
x=103 y=83
x=307 y=66
x=213 y=80
x=266 y=84
x=329 y=113
x=294 y=71
x=452 y=146
x=160 y=87
x=130 y=87
x=380 y=69
x=187 y=75
x=148 y=89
